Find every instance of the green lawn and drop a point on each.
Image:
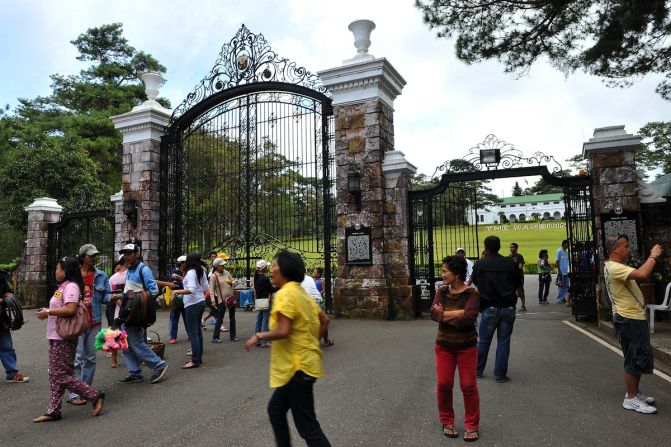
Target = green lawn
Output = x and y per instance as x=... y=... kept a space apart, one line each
x=530 y=236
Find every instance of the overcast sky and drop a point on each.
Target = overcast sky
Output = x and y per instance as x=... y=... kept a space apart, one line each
x=445 y=108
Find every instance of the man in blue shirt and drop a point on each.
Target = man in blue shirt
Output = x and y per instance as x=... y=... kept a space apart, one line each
x=562 y=271
x=138 y=279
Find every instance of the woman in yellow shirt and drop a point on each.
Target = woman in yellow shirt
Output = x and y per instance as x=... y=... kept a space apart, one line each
x=296 y=325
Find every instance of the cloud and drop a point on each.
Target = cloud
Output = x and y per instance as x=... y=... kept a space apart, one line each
x=446 y=107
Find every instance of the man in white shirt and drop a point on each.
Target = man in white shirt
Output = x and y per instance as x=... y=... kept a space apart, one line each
x=311 y=288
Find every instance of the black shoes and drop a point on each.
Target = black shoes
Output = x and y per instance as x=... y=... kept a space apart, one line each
x=131 y=379
x=158 y=375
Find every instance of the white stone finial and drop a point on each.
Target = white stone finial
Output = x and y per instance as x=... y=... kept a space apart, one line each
x=361 y=30
x=45 y=204
x=152 y=82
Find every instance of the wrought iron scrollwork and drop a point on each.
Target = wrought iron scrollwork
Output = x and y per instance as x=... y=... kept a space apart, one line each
x=510 y=157
x=246 y=59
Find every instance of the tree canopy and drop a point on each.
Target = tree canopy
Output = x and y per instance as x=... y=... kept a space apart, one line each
x=517 y=190
x=655 y=149
x=619 y=40
x=64 y=145
x=79 y=107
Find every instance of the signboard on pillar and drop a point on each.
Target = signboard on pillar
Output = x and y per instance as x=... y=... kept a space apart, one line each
x=359 y=246
x=626 y=223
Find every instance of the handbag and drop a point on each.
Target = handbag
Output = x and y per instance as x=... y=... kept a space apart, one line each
x=229 y=302
x=69 y=328
x=262 y=304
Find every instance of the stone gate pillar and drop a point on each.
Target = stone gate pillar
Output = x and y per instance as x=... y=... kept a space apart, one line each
x=137 y=213
x=33 y=280
x=369 y=207
x=610 y=156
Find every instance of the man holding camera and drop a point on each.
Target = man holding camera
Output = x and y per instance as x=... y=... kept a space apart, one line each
x=629 y=321
x=139 y=283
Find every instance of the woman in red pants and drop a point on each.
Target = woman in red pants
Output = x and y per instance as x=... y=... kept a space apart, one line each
x=456 y=308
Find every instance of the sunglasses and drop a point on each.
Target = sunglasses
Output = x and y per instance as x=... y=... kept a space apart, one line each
x=617 y=239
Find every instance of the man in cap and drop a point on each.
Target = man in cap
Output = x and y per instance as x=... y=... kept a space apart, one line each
x=629 y=321
x=263 y=288
x=469 y=265
x=96 y=291
x=138 y=279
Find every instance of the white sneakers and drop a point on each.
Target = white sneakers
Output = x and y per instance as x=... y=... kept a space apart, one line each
x=640 y=403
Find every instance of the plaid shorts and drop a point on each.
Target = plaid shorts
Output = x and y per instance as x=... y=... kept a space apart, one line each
x=634 y=337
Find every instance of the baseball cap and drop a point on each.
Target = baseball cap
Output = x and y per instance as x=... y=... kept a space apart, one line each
x=460 y=249
x=181 y=259
x=129 y=248
x=262 y=264
x=218 y=262
x=88 y=249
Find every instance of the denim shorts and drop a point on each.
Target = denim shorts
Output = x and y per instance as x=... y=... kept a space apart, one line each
x=634 y=337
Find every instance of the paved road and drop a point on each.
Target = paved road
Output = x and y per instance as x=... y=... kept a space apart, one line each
x=566 y=389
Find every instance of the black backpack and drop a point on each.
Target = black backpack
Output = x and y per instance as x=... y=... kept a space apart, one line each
x=11 y=314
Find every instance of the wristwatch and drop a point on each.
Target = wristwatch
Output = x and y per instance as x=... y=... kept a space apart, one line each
x=48 y=310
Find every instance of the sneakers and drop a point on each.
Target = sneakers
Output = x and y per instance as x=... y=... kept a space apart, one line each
x=235 y=339
x=503 y=379
x=639 y=405
x=158 y=375
x=647 y=399
x=19 y=378
x=216 y=340
x=131 y=379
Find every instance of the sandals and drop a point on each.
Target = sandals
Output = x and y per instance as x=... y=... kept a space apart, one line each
x=115 y=365
x=98 y=404
x=450 y=432
x=471 y=435
x=47 y=418
x=328 y=343
x=189 y=365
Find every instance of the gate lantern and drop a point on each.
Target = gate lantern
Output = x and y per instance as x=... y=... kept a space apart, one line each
x=130 y=211
x=354 y=188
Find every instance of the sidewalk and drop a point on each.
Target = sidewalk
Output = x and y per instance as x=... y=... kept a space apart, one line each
x=660 y=341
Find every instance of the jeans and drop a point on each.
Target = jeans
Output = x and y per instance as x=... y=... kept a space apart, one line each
x=139 y=350
x=297 y=396
x=174 y=321
x=8 y=355
x=544 y=282
x=447 y=361
x=221 y=312
x=501 y=320
x=262 y=322
x=85 y=359
x=561 y=293
x=194 y=314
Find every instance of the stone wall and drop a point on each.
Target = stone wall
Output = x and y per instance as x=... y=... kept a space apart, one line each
x=33 y=274
x=141 y=182
x=364 y=133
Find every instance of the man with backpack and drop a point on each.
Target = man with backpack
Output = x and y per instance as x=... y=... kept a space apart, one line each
x=7 y=353
x=137 y=313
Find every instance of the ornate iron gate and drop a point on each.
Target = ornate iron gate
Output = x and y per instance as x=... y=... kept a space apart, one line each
x=73 y=231
x=443 y=217
x=247 y=163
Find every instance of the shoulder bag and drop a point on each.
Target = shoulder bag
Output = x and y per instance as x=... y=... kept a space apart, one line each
x=69 y=328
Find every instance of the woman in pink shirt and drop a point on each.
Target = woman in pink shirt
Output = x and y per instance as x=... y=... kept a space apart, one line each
x=62 y=352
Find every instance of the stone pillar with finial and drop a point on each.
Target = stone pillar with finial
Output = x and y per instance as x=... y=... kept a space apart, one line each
x=371 y=187
x=137 y=205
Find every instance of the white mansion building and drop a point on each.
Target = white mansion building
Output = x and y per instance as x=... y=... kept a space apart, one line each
x=522 y=208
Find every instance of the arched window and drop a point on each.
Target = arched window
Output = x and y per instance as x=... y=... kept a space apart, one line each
x=557 y=215
x=546 y=216
x=512 y=218
x=523 y=217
